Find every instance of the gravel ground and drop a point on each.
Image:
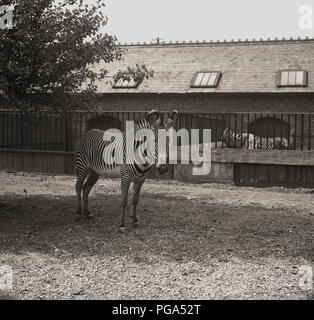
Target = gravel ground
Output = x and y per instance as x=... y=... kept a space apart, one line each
x=209 y=241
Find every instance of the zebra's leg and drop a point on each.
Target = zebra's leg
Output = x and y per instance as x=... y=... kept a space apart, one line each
x=87 y=187
x=137 y=185
x=81 y=176
x=125 y=185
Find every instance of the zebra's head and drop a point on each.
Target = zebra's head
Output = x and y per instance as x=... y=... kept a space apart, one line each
x=230 y=138
x=159 y=121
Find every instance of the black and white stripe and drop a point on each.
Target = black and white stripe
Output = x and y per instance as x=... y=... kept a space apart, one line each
x=92 y=159
x=250 y=141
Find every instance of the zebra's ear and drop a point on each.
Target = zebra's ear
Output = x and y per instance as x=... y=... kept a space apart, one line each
x=173 y=116
x=153 y=116
x=225 y=134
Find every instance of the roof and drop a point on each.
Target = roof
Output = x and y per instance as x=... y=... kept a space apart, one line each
x=246 y=66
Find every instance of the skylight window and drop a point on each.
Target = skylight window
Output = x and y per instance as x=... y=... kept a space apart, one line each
x=292 y=78
x=125 y=84
x=206 y=79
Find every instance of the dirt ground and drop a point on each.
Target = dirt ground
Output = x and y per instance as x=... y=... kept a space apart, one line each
x=209 y=241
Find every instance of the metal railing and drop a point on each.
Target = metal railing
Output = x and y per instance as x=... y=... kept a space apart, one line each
x=58 y=131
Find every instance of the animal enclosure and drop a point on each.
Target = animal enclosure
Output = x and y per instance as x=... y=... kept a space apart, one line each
x=43 y=141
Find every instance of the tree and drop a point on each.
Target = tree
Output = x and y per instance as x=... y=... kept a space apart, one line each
x=52 y=46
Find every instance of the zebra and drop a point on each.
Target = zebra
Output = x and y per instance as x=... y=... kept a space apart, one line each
x=90 y=163
x=250 y=141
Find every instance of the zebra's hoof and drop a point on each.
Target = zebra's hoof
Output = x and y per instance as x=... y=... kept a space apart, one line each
x=135 y=224
x=78 y=213
x=122 y=229
x=90 y=216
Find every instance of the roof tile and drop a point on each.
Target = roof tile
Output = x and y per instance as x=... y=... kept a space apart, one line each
x=245 y=66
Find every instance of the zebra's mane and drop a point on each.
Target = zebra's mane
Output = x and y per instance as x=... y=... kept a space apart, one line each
x=142 y=124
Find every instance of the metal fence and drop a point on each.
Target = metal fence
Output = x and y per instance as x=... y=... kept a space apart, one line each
x=58 y=131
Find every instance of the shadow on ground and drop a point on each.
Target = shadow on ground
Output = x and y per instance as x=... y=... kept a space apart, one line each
x=177 y=230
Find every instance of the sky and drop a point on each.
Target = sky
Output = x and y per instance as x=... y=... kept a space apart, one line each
x=178 y=20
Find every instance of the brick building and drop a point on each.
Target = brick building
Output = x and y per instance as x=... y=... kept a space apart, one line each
x=249 y=77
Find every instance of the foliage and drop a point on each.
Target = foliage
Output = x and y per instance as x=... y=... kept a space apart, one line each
x=52 y=46
x=137 y=74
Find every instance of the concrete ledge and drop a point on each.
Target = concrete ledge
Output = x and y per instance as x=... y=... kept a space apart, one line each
x=280 y=157
x=222 y=172
x=36 y=161
x=222 y=166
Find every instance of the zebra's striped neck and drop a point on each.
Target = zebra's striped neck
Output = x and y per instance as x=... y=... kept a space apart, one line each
x=141 y=147
x=142 y=124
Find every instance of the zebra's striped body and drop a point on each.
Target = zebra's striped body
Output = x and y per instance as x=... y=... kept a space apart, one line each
x=250 y=141
x=92 y=160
